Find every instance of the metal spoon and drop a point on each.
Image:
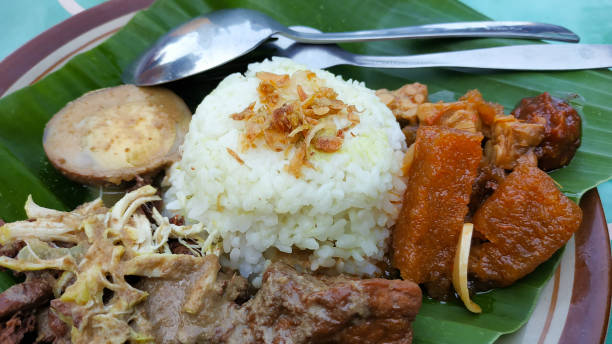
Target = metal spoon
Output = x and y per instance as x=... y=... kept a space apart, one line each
x=221 y=36
x=541 y=57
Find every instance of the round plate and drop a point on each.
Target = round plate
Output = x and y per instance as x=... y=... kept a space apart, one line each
x=575 y=304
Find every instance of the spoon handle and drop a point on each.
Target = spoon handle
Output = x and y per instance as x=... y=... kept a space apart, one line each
x=500 y=29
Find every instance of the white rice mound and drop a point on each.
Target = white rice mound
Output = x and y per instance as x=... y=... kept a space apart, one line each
x=341 y=210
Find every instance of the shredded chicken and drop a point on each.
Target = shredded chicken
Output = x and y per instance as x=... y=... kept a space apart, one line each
x=296 y=111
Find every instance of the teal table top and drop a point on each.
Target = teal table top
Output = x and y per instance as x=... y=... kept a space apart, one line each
x=22 y=20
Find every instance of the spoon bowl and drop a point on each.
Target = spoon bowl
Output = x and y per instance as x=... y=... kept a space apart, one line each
x=218 y=37
x=201 y=44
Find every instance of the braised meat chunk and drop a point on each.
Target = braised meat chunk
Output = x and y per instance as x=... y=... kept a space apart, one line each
x=290 y=307
x=20 y=326
x=18 y=308
x=50 y=328
x=435 y=205
x=202 y=305
x=562 y=129
x=24 y=296
x=301 y=308
x=524 y=222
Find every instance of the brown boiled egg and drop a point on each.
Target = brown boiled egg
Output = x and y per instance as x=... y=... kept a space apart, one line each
x=115 y=134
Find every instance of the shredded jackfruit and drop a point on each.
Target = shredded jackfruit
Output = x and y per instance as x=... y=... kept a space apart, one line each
x=40 y=229
x=107 y=245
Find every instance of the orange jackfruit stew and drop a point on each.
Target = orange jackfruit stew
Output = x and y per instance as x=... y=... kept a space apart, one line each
x=435 y=203
x=524 y=222
x=470 y=162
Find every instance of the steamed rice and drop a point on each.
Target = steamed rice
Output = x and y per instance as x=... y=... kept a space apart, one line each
x=340 y=210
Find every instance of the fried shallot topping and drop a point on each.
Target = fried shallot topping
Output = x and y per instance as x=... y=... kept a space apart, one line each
x=297 y=112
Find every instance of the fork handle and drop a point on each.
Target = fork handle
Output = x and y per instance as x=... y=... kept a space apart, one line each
x=501 y=29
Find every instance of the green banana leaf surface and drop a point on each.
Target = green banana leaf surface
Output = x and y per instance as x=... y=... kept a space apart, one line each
x=23 y=114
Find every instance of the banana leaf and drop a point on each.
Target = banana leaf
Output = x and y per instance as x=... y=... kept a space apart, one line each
x=23 y=114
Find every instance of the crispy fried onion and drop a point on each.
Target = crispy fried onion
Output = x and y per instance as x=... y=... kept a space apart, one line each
x=460 y=268
x=296 y=111
x=108 y=244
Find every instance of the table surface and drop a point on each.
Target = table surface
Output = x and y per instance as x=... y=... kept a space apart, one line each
x=22 y=20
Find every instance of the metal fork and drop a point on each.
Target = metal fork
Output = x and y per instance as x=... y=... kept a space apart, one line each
x=546 y=57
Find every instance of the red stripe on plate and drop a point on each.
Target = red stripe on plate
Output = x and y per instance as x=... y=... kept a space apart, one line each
x=73 y=52
x=587 y=317
x=553 y=305
x=24 y=58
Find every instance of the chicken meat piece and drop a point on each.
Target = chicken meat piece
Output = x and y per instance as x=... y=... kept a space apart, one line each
x=435 y=205
x=451 y=115
x=562 y=129
x=524 y=222
x=404 y=101
x=290 y=307
x=469 y=113
x=510 y=139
